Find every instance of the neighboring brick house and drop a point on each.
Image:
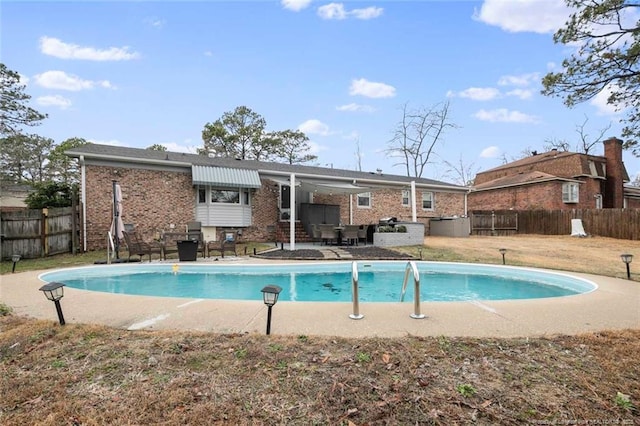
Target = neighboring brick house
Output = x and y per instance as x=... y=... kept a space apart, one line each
x=165 y=190
x=556 y=180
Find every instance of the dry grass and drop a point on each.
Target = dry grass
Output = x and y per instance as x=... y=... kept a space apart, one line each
x=90 y=375
x=93 y=375
x=592 y=255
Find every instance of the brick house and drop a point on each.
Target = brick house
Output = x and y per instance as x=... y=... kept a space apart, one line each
x=165 y=190
x=557 y=180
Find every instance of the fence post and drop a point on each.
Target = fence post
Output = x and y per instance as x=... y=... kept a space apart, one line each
x=493 y=223
x=43 y=233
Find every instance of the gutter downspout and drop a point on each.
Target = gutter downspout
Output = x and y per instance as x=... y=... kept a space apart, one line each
x=83 y=195
x=292 y=215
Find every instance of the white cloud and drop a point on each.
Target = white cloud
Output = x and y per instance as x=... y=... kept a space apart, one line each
x=491 y=152
x=521 y=80
x=521 y=93
x=371 y=89
x=353 y=107
x=180 y=147
x=600 y=102
x=367 y=13
x=480 y=93
x=338 y=12
x=503 y=115
x=332 y=11
x=55 y=100
x=112 y=142
x=538 y=16
x=63 y=81
x=295 y=5
x=155 y=22
x=208 y=53
x=55 y=47
x=314 y=127
x=23 y=79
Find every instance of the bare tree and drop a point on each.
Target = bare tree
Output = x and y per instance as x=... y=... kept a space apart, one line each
x=417 y=134
x=461 y=172
x=358 y=155
x=559 y=144
x=585 y=144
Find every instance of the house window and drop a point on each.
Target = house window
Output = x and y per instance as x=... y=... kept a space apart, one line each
x=405 y=198
x=427 y=201
x=364 y=200
x=202 y=195
x=570 y=192
x=225 y=196
x=245 y=197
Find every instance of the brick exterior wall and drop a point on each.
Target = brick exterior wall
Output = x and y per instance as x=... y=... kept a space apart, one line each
x=151 y=200
x=154 y=199
x=388 y=202
x=541 y=196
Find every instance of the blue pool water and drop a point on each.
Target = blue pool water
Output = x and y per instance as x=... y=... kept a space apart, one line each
x=326 y=282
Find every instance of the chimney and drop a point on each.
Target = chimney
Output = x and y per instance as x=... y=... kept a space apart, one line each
x=614 y=186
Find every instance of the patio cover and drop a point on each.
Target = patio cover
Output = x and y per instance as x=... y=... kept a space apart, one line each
x=332 y=187
x=323 y=186
x=225 y=177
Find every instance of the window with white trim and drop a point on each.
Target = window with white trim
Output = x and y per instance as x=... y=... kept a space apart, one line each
x=570 y=192
x=225 y=196
x=427 y=201
x=364 y=200
x=406 y=197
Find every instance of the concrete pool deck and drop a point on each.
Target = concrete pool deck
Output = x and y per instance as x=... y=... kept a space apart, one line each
x=614 y=305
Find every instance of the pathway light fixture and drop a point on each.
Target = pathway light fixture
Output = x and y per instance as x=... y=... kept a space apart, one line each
x=15 y=259
x=627 y=258
x=55 y=291
x=270 y=296
x=502 y=252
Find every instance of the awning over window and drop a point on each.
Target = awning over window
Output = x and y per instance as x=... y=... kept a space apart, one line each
x=225 y=177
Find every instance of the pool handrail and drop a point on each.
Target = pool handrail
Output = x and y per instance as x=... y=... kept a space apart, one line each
x=411 y=266
x=354 y=292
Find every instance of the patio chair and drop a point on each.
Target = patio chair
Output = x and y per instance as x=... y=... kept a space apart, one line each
x=194 y=232
x=135 y=245
x=350 y=234
x=315 y=233
x=362 y=233
x=328 y=233
x=226 y=242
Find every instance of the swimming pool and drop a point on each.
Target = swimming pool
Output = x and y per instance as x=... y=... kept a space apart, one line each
x=379 y=281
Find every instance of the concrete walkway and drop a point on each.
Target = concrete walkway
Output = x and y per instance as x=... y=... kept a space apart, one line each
x=614 y=305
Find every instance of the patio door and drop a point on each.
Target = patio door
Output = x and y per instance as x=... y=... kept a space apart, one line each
x=285 y=201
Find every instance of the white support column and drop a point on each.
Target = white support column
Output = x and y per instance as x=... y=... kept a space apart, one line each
x=350 y=209
x=292 y=215
x=414 y=214
x=83 y=197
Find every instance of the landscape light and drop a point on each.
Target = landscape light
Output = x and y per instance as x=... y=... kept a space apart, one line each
x=54 y=292
x=270 y=297
x=502 y=252
x=15 y=259
x=627 y=258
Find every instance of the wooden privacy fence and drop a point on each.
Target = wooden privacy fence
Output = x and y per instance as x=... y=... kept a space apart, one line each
x=615 y=223
x=34 y=233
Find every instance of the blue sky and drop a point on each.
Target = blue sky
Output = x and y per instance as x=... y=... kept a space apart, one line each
x=141 y=73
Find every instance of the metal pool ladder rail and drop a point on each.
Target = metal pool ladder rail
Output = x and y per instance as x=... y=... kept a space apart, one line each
x=411 y=267
x=354 y=292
